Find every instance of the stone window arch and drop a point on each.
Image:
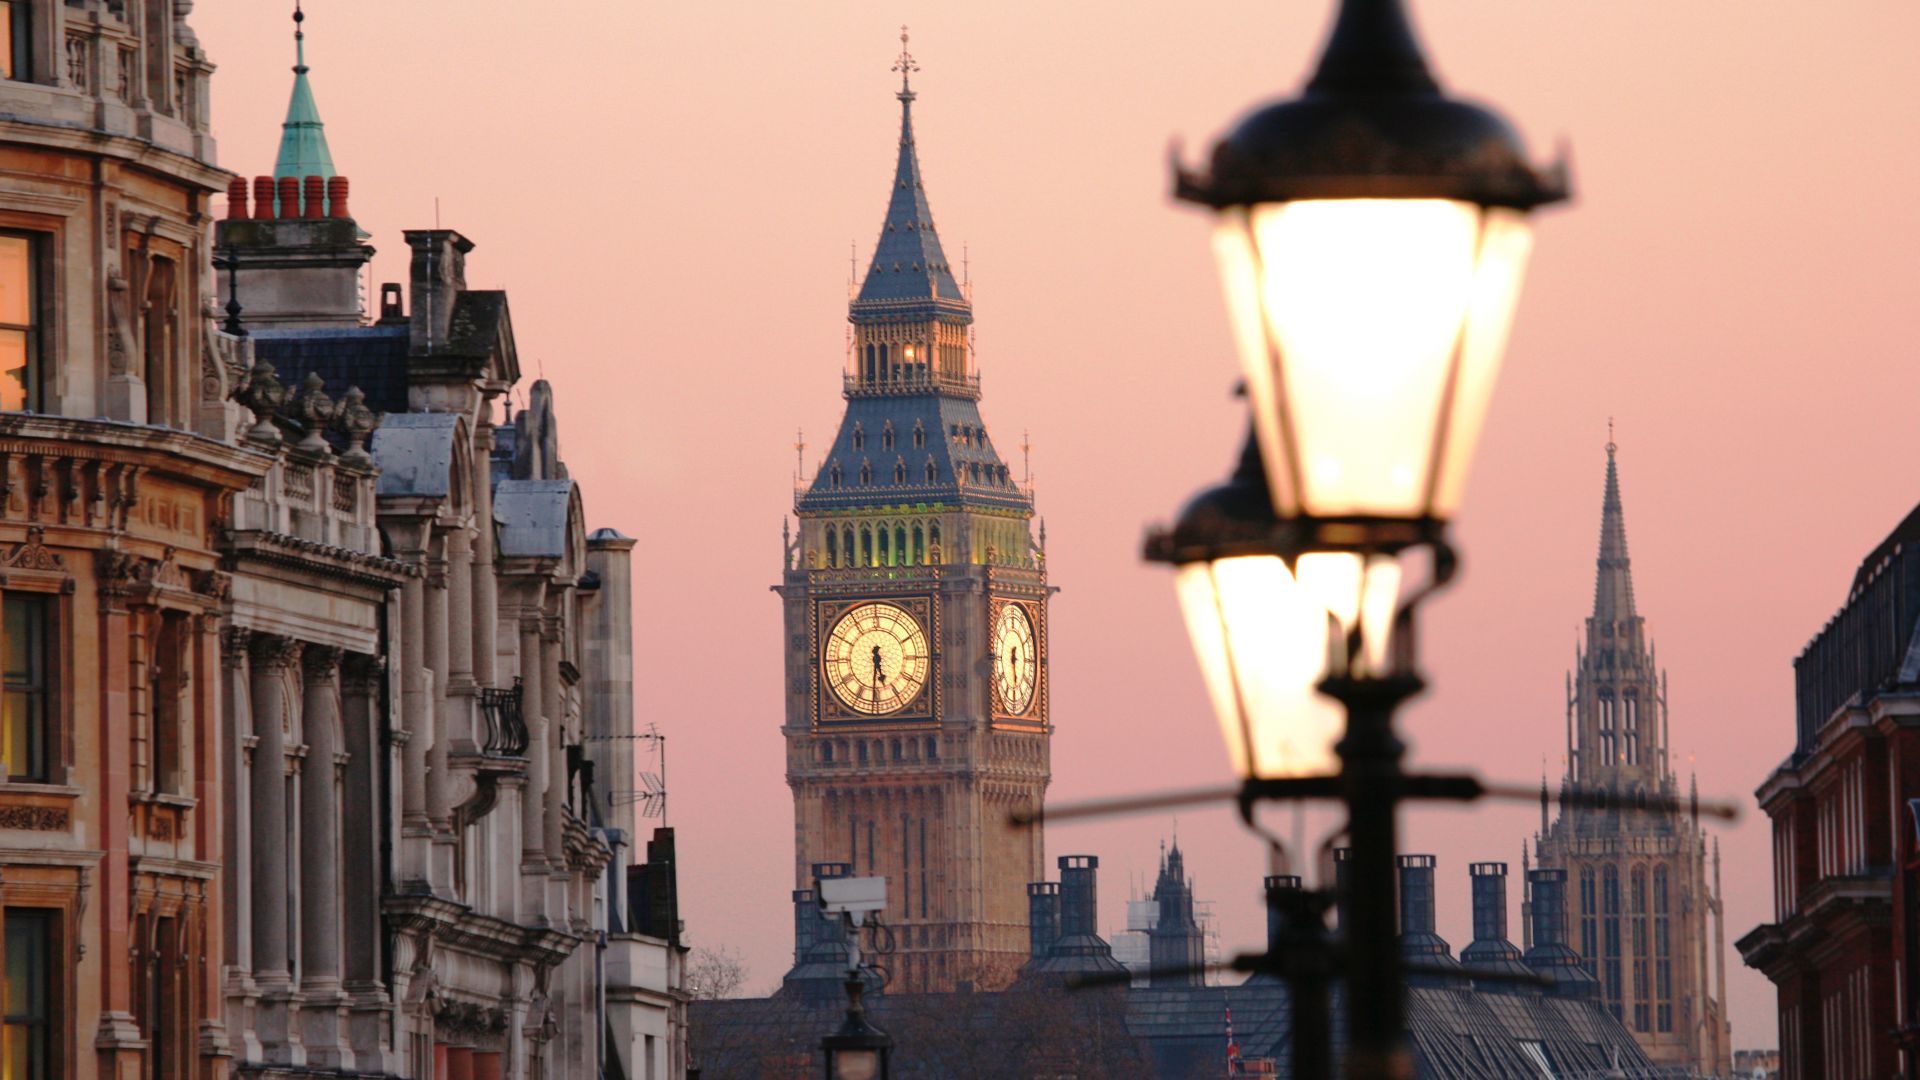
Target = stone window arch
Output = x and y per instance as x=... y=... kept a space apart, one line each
x=866 y=546
x=846 y=545
x=833 y=547
x=900 y=549
x=919 y=545
x=886 y=547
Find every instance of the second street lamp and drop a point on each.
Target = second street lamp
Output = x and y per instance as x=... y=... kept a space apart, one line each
x=1372 y=235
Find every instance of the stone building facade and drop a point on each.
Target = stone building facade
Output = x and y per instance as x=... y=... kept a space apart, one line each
x=1643 y=889
x=1843 y=947
x=298 y=625
x=915 y=621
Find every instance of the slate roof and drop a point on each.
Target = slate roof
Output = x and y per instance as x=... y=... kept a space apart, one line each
x=908 y=262
x=1456 y=1032
x=953 y=456
x=532 y=516
x=374 y=358
x=415 y=454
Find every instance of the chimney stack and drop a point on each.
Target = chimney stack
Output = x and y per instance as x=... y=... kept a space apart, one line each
x=337 y=197
x=439 y=276
x=1491 y=953
x=1418 y=941
x=316 y=197
x=1550 y=956
x=289 y=198
x=1279 y=888
x=1079 y=901
x=1043 y=918
x=263 y=198
x=237 y=199
x=1079 y=950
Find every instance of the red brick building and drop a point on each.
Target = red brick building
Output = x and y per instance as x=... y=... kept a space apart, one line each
x=1844 y=945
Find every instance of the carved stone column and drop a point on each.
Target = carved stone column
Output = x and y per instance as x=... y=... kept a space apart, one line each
x=237 y=742
x=460 y=609
x=321 y=929
x=272 y=663
x=553 y=705
x=416 y=718
x=486 y=589
x=533 y=828
x=439 y=779
x=361 y=813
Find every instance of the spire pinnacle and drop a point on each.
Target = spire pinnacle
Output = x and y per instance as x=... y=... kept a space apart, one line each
x=299 y=40
x=906 y=66
x=1613 y=577
x=303 y=138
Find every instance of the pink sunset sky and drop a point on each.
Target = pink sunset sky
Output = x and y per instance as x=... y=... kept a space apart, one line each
x=669 y=191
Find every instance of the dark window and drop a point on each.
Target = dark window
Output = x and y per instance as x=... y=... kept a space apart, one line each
x=28 y=679
x=22 y=276
x=886 y=438
x=1610 y=928
x=866 y=473
x=826 y=753
x=919 y=436
x=1589 y=922
x=863 y=750
x=933 y=749
x=32 y=993
x=899 y=472
x=859 y=438
x=933 y=471
x=16 y=40
x=168 y=676
x=833 y=547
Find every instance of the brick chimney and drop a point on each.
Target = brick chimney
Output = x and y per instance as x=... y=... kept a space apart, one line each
x=438 y=278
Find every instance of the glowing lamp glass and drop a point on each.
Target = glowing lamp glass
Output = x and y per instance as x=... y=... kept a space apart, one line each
x=1265 y=635
x=860 y=1064
x=1371 y=331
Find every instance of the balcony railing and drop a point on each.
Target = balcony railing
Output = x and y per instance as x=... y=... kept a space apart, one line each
x=967 y=386
x=506 y=730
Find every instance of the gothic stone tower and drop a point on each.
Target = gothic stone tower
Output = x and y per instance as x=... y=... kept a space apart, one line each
x=916 y=627
x=1638 y=870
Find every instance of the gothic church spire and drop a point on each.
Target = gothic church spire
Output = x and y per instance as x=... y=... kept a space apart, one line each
x=303 y=138
x=1613 y=576
x=908 y=263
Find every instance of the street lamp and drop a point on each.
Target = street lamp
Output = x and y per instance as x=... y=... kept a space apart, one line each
x=1371 y=236
x=858 y=1051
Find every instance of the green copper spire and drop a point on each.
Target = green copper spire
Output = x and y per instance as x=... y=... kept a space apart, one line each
x=303 y=139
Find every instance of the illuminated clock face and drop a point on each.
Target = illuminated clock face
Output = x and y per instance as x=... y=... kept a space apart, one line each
x=1016 y=659
x=876 y=659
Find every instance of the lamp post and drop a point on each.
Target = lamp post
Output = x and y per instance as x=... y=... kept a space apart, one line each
x=858 y=1051
x=1371 y=234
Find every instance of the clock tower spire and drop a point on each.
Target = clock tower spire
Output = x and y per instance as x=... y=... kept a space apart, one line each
x=917 y=716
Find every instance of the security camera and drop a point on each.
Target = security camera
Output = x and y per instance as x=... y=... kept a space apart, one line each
x=853 y=897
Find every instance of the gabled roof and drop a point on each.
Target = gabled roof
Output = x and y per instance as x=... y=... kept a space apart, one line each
x=415 y=453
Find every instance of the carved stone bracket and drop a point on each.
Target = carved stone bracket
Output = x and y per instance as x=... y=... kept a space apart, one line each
x=272 y=652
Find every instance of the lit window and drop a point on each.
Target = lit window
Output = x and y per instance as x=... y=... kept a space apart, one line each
x=16 y=37
x=19 y=320
x=32 y=993
x=24 y=713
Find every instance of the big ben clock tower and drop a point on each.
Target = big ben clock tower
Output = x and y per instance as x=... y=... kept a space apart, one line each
x=915 y=605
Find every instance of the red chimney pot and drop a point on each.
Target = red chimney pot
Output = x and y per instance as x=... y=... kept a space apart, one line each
x=263 y=197
x=237 y=199
x=337 y=197
x=316 y=196
x=289 y=198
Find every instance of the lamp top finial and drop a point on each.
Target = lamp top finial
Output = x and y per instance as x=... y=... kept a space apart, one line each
x=906 y=66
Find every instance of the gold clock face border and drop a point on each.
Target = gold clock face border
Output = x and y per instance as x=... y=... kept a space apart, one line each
x=1002 y=707
x=828 y=709
x=1035 y=714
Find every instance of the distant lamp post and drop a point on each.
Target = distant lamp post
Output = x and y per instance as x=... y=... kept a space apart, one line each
x=1372 y=236
x=858 y=1051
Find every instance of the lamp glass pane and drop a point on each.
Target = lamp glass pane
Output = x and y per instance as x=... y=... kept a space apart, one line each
x=1506 y=242
x=1262 y=644
x=856 y=1064
x=1358 y=592
x=1240 y=276
x=1365 y=299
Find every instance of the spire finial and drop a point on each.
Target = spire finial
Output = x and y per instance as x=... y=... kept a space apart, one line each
x=905 y=66
x=1610 y=445
x=299 y=40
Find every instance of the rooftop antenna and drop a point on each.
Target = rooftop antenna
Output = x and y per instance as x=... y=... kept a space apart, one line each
x=799 y=454
x=1026 y=457
x=1610 y=446
x=966 y=270
x=853 y=259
